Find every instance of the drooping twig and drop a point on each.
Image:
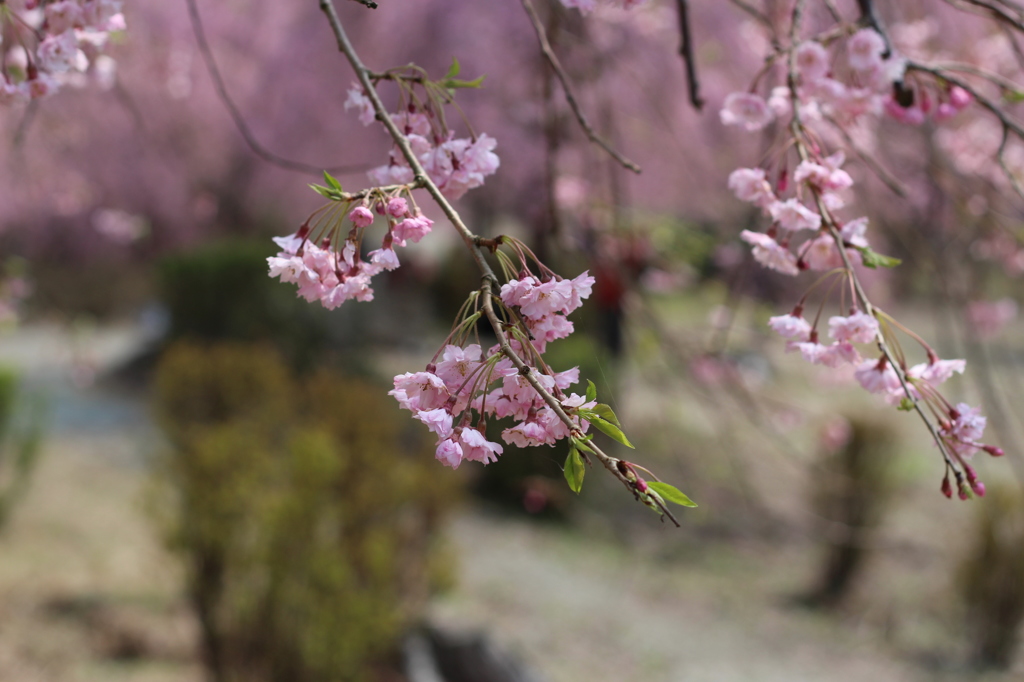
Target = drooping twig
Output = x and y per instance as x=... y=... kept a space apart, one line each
x=686 y=50
x=797 y=130
x=472 y=242
x=236 y=114
x=369 y=3
x=570 y=96
x=887 y=178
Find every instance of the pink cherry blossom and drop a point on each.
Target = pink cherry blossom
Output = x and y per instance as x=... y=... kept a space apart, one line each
x=791 y=327
x=770 y=254
x=361 y=217
x=812 y=61
x=419 y=391
x=412 y=229
x=877 y=376
x=792 y=215
x=864 y=50
x=749 y=184
x=449 y=453
x=938 y=371
x=476 y=448
x=358 y=100
x=747 y=110
x=438 y=420
x=857 y=328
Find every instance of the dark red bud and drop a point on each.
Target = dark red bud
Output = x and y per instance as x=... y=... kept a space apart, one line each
x=947 y=487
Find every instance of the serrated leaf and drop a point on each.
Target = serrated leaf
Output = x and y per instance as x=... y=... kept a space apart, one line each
x=906 y=405
x=610 y=430
x=591 y=391
x=574 y=470
x=670 y=493
x=874 y=260
x=607 y=413
x=453 y=70
x=331 y=181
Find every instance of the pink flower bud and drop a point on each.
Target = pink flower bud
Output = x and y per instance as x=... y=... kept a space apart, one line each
x=361 y=216
x=979 y=488
x=397 y=207
x=947 y=487
x=993 y=450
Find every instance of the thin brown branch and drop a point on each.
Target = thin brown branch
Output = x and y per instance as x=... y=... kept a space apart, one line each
x=472 y=242
x=887 y=178
x=686 y=50
x=570 y=96
x=986 y=102
x=753 y=11
x=369 y=3
x=236 y=115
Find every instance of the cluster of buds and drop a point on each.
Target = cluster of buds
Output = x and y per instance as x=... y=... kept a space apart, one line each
x=48 y=44
x=326 y=261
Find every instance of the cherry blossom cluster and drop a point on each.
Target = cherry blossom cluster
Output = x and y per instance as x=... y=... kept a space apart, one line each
x=456 y=165
x=805 y=234
x=327 y=263
x=48 y=44
x=867 y=82
x=463 y=387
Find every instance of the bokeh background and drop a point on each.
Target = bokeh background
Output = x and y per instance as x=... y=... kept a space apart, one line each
x=202 y=477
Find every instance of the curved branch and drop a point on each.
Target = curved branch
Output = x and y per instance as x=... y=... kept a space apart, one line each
x=570 y=96
x=236 y=115
x=472 y=242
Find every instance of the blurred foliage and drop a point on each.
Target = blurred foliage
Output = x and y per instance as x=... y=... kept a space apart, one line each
x=21 y=428
x=991 y=578
x=221 y=292
x=307 y=513
x=852 y=485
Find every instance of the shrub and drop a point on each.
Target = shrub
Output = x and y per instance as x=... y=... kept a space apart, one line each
x=306 y=512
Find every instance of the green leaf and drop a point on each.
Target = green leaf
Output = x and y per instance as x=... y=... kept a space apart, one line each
x=874 y=260
x=906 y=405
x=581 y=443
x=453 y=70
x=326 y=192
x=1013 y=96
x=611 y=430
x=574 y=470
x=671 y=493
x=605 y=412
x=591 y=391
x=455 y=83
x=332 y=182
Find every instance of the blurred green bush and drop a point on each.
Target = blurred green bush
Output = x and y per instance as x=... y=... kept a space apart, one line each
x=306 y=511
x=221 y=292
x=21 y=429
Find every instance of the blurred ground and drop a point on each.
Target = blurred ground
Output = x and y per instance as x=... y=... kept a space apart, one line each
x=87 y=593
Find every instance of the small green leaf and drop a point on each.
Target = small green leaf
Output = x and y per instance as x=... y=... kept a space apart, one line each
x=574 y=470
x=455 y=83
x=874 y=260
x=453 y=70
x=591 y=391
x=671 y=493
x=581 y=443
x=611 y=430
x=906 y=405
x=332 y=182
x=326 y=192
x=605 y=412
x=1013 y=96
